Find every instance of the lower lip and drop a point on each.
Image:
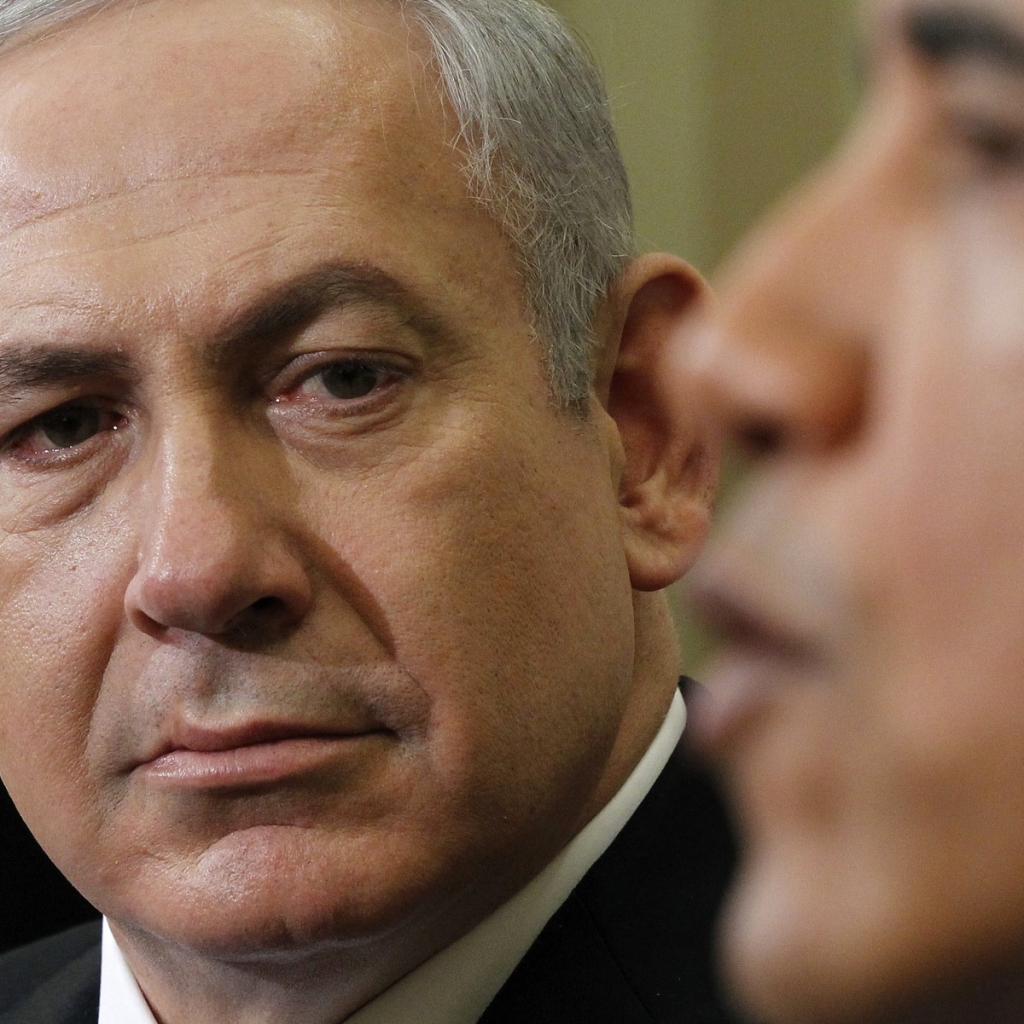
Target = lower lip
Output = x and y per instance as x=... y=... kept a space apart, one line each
x=260 y=764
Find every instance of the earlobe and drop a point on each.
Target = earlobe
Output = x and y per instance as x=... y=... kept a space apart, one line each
x=670 y=473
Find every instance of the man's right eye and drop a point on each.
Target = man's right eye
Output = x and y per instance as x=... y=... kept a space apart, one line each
x=63 y=429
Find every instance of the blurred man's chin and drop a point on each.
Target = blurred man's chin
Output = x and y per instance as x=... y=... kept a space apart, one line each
x=789 y=957
x=799 y=945
x=761 y=946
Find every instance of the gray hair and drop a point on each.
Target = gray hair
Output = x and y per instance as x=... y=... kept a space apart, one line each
x=541 y=156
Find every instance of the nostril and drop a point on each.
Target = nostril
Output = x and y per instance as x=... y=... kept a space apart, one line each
x=758 y=440
x=264 y=621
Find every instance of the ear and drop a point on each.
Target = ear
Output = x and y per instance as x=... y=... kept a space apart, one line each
x=670 y=472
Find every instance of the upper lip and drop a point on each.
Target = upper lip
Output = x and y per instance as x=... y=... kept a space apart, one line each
x=742 y=614
x=737 y=623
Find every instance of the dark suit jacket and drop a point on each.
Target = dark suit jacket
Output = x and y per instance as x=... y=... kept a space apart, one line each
x=35 y=898
x=631 y=945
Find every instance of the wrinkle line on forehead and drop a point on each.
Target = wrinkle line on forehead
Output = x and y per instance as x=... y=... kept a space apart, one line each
x=951 y=34
x=29 y=206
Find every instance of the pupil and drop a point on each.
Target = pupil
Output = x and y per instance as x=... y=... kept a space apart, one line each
x=351 y=380
x=65 y=428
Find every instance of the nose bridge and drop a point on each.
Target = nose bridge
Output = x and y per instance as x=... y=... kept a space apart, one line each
x=212 y=546
x=197 y=507
x=803 y=302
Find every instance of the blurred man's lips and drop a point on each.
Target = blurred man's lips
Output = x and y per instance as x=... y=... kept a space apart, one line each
x=752 y=654
x=250 y=755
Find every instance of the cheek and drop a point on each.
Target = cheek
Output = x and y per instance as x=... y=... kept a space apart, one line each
x=949 y=476
x=500 y=592
x=478 y=540
x=946 y=562
x=60 y=612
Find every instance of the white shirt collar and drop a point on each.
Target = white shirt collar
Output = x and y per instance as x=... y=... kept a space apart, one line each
x=456 y=985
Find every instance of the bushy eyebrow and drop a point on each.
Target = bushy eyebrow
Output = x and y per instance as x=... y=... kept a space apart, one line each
x=299 y=301
x=953 y=34
x=274 y=314
x=29 y=367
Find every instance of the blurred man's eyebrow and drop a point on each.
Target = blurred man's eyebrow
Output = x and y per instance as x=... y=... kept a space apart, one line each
x=949 y=35
x=29 y=367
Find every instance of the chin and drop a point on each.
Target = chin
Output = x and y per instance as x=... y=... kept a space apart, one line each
x=264 y=894
x=765 y=954
x=797 y=946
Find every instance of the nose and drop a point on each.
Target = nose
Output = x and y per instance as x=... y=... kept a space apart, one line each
x=216 y=555
x=787 y=366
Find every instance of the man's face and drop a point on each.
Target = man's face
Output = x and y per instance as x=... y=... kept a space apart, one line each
x=307 y=631
x=869 y=582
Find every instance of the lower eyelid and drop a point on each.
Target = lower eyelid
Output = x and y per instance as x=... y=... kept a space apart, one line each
x=312 y=421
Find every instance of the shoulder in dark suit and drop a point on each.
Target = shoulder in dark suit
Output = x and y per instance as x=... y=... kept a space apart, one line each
x=53 y=981
x=631 y=945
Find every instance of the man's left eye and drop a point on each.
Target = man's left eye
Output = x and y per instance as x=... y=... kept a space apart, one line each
x=347 y=380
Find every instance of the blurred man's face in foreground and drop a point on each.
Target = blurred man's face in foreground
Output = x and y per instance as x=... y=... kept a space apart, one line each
x=870 y=579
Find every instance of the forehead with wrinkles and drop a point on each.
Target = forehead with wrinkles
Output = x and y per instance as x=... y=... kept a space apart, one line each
x=193 y=89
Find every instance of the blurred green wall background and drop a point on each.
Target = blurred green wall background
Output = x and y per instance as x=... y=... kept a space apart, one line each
x=720 y=106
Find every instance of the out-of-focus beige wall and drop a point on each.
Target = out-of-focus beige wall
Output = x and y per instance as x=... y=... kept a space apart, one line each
x=720 y=104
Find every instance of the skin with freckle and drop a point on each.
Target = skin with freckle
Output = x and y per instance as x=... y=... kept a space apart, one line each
x=869 y=578
x=281 y=474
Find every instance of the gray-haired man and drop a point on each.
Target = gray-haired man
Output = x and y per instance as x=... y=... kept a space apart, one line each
x=338 y=484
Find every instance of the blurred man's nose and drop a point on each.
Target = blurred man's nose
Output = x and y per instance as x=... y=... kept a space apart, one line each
x=785 y=366
x=804 y=303
x=218 y=552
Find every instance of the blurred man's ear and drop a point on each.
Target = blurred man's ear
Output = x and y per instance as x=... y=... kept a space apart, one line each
x=670 y=471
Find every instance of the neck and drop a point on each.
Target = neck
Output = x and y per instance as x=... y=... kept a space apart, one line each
x=656 y=670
